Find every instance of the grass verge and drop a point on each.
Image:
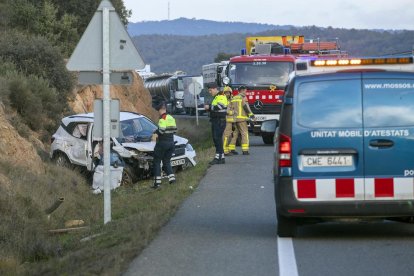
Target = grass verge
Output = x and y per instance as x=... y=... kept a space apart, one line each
x=138 y=213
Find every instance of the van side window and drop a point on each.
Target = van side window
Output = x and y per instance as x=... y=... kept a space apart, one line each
x=329 y=104
x=388 y=102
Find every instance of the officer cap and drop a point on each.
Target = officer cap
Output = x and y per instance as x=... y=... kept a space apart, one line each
x=242 y=87
x=212 y=85
x=161 y=105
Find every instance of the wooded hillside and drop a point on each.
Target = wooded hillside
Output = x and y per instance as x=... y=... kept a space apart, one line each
x=168 y=53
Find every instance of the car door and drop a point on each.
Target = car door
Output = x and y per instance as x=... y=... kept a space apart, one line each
x=327 y=138
x=388 y=101
x=89 y=148
x=78 y=143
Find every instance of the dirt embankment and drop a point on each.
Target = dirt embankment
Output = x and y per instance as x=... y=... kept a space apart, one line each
x=133 y=98
x=16 y=150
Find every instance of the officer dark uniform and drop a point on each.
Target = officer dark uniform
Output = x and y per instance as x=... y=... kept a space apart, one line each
x=164 y=148
x=218 y=111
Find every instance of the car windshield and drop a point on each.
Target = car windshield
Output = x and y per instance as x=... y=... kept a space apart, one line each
x=260 y=73
x=136 y=130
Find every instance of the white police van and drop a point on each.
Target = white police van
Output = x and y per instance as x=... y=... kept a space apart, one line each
x=345 y=147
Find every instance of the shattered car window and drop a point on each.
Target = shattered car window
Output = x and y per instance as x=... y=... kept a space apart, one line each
x=136 y=130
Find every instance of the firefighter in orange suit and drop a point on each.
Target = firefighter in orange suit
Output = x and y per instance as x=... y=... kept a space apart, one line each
x=228 y=131
x=242 y=114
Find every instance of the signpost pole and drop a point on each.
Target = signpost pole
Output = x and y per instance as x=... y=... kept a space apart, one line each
x=106 y=115
x=196 y=103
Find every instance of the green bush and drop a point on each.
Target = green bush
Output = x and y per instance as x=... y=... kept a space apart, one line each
x=36 y=56
x=38 y=104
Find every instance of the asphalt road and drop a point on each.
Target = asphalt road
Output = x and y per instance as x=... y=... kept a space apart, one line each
x=228 y=227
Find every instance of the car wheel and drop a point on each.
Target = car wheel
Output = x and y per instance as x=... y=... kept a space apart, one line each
x=127 y=176
x=267 y=139
x=286 y=227
x=62 y=160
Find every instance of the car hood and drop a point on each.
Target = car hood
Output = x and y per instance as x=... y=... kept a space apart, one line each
x=149 y=146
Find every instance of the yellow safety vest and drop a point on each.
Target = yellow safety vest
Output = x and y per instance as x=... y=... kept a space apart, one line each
x=219 y=106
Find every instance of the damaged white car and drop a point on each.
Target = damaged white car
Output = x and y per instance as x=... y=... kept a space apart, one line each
x=74 y=144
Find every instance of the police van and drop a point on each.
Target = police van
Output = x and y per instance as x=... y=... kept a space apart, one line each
x=345 y=147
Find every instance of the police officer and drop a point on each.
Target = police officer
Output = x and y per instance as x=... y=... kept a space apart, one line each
x=218 y=111
x=242 y=114
x=164 y=148
x=230 y=129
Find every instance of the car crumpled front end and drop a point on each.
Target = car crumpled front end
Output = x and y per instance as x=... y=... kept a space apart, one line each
x=140 y=154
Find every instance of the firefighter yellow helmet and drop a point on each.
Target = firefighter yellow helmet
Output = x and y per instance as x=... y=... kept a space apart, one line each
x=227 y=89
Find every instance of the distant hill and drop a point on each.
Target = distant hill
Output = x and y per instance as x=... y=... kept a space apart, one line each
x=169 y=53
x=197 y=27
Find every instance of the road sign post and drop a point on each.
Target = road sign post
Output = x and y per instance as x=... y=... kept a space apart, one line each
x=106 y=113
x=196 y=103
x=104 y=48
x=196 y=88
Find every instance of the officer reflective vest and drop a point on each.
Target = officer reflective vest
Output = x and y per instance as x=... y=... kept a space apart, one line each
x=241 y=108
x=166 y=128
x=219 y=106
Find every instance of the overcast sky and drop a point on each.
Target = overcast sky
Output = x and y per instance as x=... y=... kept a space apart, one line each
x=359 y=14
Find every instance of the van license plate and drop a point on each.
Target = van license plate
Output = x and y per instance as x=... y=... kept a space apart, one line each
x=177 y=162
x=327 y=160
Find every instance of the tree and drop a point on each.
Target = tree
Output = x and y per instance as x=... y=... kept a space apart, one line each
x=223 y=56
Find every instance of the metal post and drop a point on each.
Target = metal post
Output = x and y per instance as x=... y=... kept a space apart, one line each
x=196 y=102
x=106 y=115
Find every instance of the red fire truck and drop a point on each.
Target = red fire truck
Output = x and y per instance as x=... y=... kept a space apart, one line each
x=264 y=69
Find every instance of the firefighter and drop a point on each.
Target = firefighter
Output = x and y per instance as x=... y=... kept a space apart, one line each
x=164 y=147
x=230 y=126
x=242 y=114
x=218 y=111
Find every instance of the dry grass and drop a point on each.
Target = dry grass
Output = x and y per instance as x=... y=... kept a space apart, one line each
x=138 y=213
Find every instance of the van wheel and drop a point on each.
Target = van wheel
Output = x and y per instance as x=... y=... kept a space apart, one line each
x=267 y=139
x=62 y=160
x=286 y=227
x=127 y=177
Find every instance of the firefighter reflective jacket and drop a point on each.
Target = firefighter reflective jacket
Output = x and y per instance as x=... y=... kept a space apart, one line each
x=242 y=111
x=219 y=106
x=230 y=111
x=166 y=128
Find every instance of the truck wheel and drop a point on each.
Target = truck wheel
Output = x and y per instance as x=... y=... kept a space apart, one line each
x=267 y=139
x=286 y=227
x=127 y=177
x=62 y=160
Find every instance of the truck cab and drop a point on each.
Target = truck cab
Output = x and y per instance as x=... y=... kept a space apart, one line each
x=264 y=68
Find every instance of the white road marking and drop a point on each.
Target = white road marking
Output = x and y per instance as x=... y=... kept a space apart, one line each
x=287 y=260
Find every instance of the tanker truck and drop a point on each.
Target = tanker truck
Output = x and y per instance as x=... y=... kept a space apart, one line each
x=167 y=88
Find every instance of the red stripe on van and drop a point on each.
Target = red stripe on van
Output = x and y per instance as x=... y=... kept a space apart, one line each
x=384 y=187
x=307 y=188
x=345 y=187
